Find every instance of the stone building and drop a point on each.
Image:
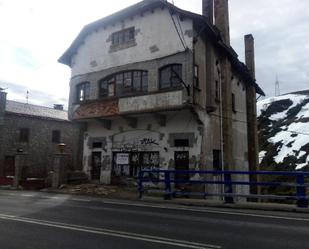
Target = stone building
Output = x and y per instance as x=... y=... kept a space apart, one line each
x=35 y=131
x=161 y=87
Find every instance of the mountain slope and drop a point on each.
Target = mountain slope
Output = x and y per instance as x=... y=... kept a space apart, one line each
x=283 y=124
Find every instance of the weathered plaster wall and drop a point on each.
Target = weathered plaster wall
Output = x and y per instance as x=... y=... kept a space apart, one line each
x=40 y=148
x=152 y=67
x=95 y=54
x=152 y=102
x=122 y=136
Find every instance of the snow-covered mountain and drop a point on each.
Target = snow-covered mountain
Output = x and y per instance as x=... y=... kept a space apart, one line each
x=284 y=132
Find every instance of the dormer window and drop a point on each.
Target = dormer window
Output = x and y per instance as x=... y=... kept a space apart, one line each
x=82 y=91
x=123 y=36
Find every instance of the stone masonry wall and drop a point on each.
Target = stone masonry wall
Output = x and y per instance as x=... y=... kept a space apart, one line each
x=40 y=148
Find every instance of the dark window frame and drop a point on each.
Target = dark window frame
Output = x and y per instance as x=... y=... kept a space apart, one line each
x=181 y=143
x=82 y=91
x=196 y=75
x=24 y=135
x=233 y=103
x=217 y=160
x=173 y=74
x=217 y=90
x=124 y=83
x=123 y=36
x=56 y=136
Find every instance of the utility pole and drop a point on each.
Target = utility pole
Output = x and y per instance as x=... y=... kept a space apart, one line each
x=277 y=87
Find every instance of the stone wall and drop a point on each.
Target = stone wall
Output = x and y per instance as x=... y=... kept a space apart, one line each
x=40 y=148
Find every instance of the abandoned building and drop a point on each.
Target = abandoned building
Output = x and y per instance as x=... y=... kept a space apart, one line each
x=36 y=132
x=161 y=87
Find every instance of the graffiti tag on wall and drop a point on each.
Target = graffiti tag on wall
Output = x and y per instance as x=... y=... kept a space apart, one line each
x=97 y=109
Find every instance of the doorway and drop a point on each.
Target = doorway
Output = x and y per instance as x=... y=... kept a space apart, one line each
x=9 y=166
x=181 y=163
x=96 y=165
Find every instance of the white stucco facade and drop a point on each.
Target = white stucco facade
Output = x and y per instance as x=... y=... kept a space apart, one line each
x=95 y=53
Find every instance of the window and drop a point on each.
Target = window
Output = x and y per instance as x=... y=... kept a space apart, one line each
x=233 y=103
x=123 y=36
x=196 y=72
x=96 y=145
x=181 y=142
x=170 y=76
x=217 y=91
x=24 y=135
x=56 y=136
x=83 y=91
x=124 y=83
x=217 y=160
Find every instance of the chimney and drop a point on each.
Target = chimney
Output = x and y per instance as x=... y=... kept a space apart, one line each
x=222 y=19
x=249 y=54
x=58 y=107
x=208 y=10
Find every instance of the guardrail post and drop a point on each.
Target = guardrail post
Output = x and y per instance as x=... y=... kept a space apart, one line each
x=140 y=184
x=168 y=188
x=302 y=200
x=228 y=189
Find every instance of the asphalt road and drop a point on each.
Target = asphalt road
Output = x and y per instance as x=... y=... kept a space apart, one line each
x=53 y=221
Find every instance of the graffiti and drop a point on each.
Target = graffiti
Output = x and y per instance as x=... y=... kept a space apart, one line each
x=135 y=145
x=97 y=109
x=148 y=141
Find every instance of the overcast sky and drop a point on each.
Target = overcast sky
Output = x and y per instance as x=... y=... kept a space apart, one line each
x=35 y=33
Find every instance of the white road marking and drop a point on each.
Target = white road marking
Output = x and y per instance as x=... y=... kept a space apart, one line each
x=27 y=195
x=113 y=233
x=207 y=211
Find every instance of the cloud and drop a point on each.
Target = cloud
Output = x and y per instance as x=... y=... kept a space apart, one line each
x=34 y=33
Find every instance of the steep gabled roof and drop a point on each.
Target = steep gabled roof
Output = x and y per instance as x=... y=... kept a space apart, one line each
x=29 y=110
x=145 y=5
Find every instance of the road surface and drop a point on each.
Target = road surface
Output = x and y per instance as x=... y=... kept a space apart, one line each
x=36 y=220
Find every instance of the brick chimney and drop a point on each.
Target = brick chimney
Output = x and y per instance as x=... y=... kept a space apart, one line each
x=253 y=146
x=221 y=8
x=58 y=107
x=208 y=10
x=249 y=54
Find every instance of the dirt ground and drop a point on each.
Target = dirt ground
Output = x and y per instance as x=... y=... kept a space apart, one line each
x=107 y=191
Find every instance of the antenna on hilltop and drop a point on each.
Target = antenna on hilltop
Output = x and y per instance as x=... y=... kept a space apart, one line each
x=277 y=86
x=27 y=96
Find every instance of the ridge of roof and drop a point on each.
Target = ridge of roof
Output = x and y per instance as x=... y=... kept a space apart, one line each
x=45 y=112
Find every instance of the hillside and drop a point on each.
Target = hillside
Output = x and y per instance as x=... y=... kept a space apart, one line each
x=284 y=132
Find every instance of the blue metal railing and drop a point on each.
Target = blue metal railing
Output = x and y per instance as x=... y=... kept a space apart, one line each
x=171 y=178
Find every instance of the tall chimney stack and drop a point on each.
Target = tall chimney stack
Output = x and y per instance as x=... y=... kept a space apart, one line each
x=208 y=10
x=253 y=145
x=249 y=54
x=222 y=19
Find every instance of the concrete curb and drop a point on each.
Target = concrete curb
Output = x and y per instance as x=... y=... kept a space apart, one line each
x=218 y=204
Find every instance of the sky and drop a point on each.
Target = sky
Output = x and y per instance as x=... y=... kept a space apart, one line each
x=35 y=33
